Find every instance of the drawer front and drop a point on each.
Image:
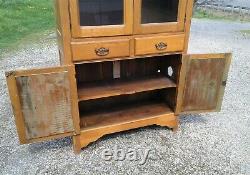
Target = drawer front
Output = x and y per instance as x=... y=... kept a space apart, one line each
x=100 y=50
x=159 y=44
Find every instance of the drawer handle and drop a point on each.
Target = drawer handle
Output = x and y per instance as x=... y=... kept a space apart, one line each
x=161 y=46
x=102 y=51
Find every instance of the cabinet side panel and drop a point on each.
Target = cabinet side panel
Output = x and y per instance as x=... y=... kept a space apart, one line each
x=63 y=30
x=46 y=104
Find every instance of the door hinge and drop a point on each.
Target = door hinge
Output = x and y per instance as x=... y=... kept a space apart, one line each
x=9 y=73
x=224 y=83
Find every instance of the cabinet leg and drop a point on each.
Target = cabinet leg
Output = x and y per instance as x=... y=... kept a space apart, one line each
x=176 y=126
x=77 y=144
x=90 y=136
x=84 y=139
x=173 y=123
x=175 y=129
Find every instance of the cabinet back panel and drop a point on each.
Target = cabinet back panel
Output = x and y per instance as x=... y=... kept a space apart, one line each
x=143 y=67
x=130 y=69
x=94 y=72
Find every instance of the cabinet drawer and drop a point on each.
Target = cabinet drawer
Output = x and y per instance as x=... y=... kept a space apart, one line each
x=100 y=49
x=159 y=44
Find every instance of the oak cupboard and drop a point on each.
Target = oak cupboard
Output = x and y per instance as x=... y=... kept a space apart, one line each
x=124 y=65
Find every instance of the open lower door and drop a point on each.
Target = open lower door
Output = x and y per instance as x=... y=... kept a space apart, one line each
x=44 y=103
x=202 y=82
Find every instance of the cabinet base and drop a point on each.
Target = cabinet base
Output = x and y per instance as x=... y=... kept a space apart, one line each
x=88 y=136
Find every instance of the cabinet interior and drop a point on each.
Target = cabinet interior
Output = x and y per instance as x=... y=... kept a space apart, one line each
x=99 y=12
x=158 y=11
x=129 y=89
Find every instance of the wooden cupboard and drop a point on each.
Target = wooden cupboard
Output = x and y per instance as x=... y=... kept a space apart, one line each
x=124 y=65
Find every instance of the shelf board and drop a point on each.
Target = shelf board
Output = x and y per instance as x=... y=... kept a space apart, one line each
x=126 y=115
x=88 y=91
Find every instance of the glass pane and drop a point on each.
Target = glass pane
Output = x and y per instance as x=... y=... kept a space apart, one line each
x=159 y=11
x=101 y=12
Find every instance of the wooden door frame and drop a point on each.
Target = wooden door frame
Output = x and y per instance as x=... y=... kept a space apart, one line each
x=16 y=102
x=159 y=27
x=98 y=31
x=63 y=31
x=186 y=60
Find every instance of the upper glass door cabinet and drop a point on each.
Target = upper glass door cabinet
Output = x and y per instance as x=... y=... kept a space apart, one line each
x=157 y=16
x=94 y=18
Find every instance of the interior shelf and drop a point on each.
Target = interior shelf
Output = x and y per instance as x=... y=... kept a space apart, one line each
x=95 y=90
x=123 y=115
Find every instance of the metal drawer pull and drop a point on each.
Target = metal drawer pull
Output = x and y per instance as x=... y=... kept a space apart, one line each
x=102 y=51
x=161 y=46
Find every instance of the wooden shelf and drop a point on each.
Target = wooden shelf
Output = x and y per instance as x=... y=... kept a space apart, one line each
x=124 y=115
x=122 y=87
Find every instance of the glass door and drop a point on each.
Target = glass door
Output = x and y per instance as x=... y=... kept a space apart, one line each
x=156 y=16
x=94 y=18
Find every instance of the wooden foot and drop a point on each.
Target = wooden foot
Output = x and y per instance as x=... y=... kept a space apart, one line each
x=173 y=124
x=176 y=127
x=90 y=135
x=77 y=144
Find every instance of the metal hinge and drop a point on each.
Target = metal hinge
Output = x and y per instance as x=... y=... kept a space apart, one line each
x=224 y=83
x=9 y=73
